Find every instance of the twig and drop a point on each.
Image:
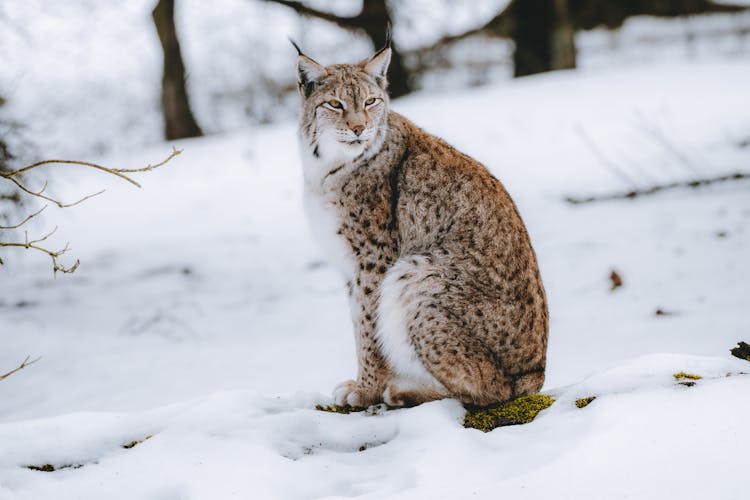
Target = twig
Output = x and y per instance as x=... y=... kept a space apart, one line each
x=33 y=244
x=23 y=365
x=658 y=188
x=500 y=26
x=300 y=8
x=56 y=266
x=39 y=194
x=119 y=172
x=660 y=137
x=606 y=161
x=27 y=219
x=149 y=167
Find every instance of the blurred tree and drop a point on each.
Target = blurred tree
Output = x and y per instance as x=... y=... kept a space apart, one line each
x=544 y=36
x=8 y=195
x=374 y=20
x=544 y=30
x=4 y=151
x=589 y=14
x=179 y=121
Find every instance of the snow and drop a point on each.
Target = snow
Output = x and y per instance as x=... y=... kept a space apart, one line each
x=647 y=438
x=203 y=314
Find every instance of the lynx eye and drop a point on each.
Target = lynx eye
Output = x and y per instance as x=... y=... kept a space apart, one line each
x=369 y=102
x=334 y=104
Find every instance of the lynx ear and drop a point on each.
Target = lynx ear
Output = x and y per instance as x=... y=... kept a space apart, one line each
x=309 y=72
x=377 y=66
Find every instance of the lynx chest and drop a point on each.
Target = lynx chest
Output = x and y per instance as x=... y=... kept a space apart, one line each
x=323 y=215
x=351 y=222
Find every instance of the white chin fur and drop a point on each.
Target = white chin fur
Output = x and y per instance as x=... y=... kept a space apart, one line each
x=334 y=151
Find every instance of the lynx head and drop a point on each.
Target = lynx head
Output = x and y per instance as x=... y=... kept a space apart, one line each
x=344 y=107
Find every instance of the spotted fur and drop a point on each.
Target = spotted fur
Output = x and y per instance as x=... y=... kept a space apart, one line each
x=443 y=283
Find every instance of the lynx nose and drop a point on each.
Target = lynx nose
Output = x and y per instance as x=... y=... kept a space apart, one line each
x=357 y=129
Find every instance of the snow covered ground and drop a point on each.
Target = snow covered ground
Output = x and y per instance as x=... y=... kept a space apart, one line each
x=204 y=316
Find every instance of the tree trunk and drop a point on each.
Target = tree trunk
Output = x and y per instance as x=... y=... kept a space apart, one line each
x=5 y=155
x=563 y=38
x=589 y=14
x=544 y=36
x=375 y=21
x=178 y=118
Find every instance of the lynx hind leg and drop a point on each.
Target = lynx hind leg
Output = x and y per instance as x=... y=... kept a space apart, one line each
x=400 y=303
x=431 y=349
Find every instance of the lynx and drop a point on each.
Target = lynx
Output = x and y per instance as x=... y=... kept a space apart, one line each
x=444 y=287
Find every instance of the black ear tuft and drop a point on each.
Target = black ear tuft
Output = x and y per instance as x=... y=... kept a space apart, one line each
x=309 y=72
x=377 y=65
x=299 y=51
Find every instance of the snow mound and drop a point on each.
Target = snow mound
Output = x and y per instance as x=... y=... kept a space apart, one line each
x=642 y=428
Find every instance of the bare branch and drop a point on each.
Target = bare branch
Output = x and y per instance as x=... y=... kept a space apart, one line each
x=349 y=23
x=149 y=167
x=39 y=194
x=654 y=132
x=27 y=219
x=34 y=244
x=53 y=254
x=14 y=173
x=119 y=172
x=499 y=26
x=39 y=240
x=659 y=188
x=23 y=365
x=606 y=161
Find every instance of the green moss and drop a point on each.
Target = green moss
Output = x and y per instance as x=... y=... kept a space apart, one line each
x=345 y=409
x=518 y=411
x=52 y=468
x=685 y=375
x=584 y=402
x=42 y=468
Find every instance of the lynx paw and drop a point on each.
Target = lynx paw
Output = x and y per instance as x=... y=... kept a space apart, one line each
x=352 y=394
x=405 y=394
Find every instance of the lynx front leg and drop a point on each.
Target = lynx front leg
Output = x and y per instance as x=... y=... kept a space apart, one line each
x=373 y=372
